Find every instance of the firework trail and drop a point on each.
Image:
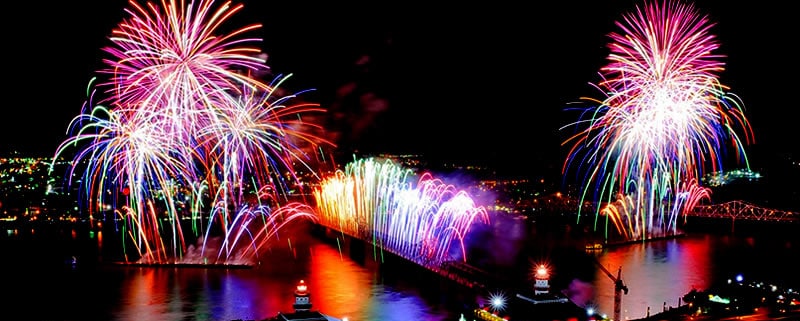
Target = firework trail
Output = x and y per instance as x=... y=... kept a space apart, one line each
x=416 y=217
x=664 y=120
x=186 y=134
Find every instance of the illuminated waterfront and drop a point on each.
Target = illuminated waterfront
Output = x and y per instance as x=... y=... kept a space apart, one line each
x=356 y=286
x=658 y=273
x=39 y=273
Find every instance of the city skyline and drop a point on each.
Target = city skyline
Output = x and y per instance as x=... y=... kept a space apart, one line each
x=476 y=83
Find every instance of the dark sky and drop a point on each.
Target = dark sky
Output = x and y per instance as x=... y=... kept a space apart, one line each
x=488 y=80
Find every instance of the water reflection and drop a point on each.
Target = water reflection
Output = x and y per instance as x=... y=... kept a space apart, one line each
x=351 y=283
x=338 y=287
x=657 y=273
x=345 y=287
x=362 y=292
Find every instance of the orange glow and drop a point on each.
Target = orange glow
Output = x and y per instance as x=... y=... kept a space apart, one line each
x=141 y=290
x=541 y=271
x=489 y=316
x=100 y=240
x=337 y=281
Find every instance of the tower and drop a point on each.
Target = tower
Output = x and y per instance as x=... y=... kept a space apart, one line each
x=302 y=299
x=541 y=281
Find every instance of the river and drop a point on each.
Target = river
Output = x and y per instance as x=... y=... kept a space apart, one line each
x=41 y=283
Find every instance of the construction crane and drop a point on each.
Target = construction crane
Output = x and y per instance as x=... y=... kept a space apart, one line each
x=619 y=288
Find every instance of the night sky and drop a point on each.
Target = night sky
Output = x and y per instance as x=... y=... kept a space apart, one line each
x=485 y=81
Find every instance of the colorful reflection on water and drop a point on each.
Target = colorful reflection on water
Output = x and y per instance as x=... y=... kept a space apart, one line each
x=339 y=287
x=659 y=273
x=656 y=273
x=194 y=294
x=351 y=283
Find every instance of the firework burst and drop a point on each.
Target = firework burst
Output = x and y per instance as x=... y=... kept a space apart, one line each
x=418 y=217
x=186 y=135
x=664 y=120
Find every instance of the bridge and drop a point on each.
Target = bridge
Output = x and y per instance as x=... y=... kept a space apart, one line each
x=739 y=210
x=455 y=270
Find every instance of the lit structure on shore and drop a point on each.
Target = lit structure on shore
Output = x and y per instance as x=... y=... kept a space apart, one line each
x=302 y=308
x=541 y=281
x=542 y=304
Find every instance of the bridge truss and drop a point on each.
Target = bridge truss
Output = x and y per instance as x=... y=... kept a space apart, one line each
x=739 y=210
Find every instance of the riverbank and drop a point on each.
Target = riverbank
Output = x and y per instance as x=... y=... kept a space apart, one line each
x=734 y=300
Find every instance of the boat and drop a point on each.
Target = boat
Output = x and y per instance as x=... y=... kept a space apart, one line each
x=594 y=246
